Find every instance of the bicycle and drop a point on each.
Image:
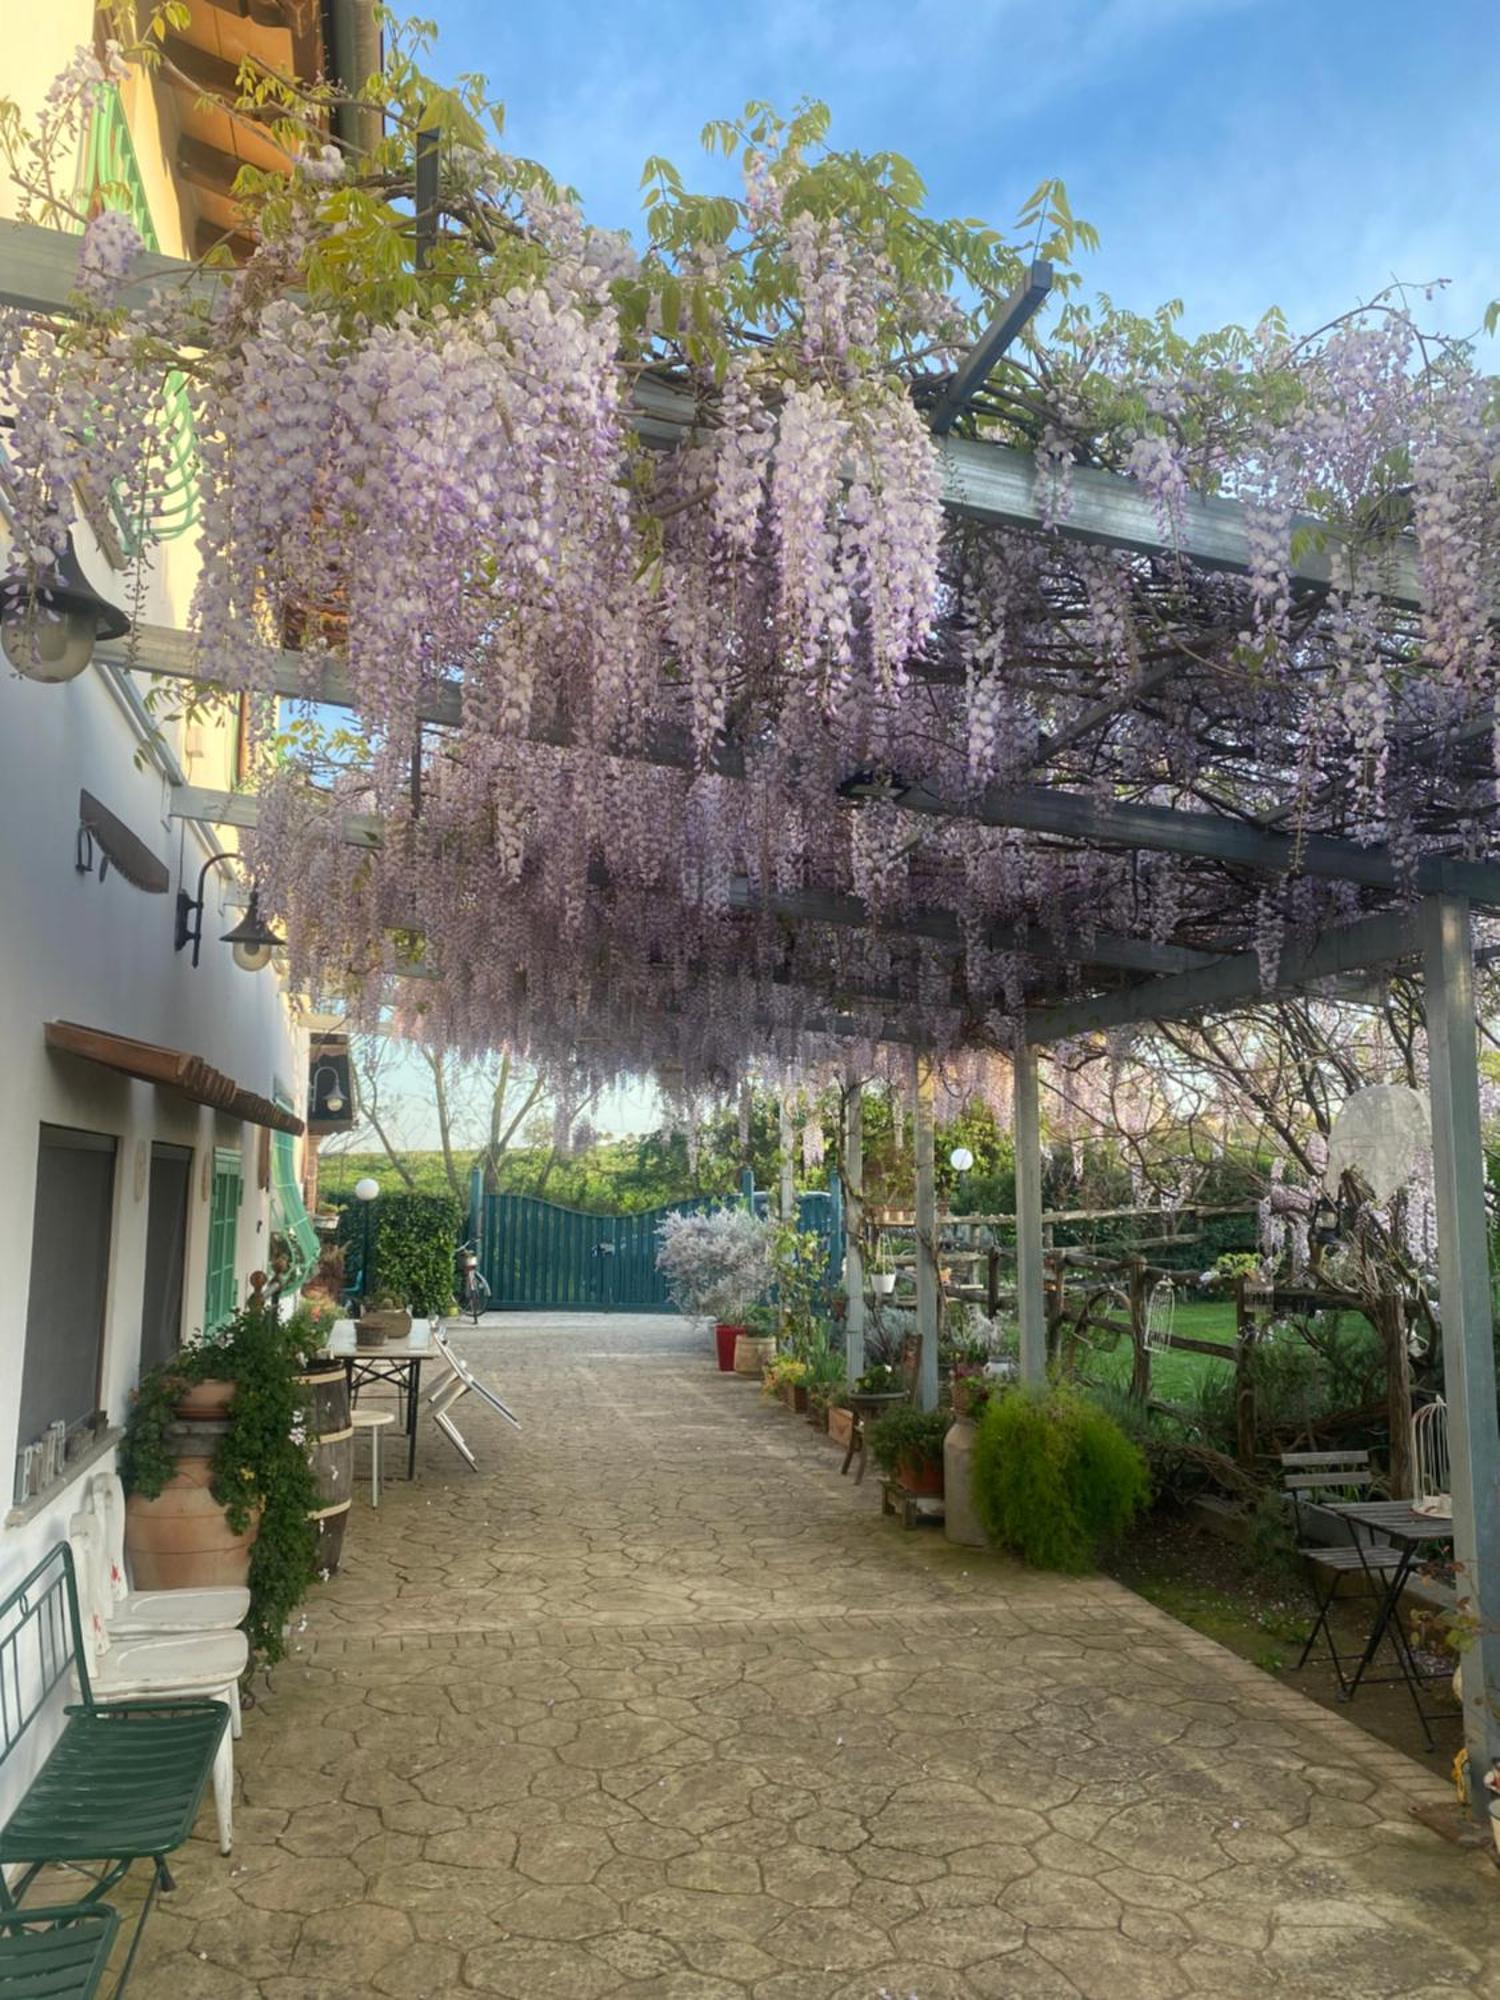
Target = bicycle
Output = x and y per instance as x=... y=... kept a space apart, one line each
x=473 y=1291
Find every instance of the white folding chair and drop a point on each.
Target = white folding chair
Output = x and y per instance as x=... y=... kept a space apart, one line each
x=152 y=1614
x=458 y=1383
x=199 y=1663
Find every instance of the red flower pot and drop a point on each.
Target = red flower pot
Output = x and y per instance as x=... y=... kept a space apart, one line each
x=724 y=1338
x=924 y=1476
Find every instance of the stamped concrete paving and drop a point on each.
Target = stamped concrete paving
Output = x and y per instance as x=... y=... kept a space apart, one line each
x=658 y=1706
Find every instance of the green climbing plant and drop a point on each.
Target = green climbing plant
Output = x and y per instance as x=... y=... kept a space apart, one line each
x=260 y=1463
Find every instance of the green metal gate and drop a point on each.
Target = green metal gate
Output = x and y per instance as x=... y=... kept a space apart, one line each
x=537 y=1254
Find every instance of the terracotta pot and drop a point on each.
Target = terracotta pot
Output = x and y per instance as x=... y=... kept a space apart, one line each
x=794 y=1395
x=182 y=1540
x=840 y=1423
x=725 y=1335
x=922 y=1476
x=752 y=1354
x=204 y=1401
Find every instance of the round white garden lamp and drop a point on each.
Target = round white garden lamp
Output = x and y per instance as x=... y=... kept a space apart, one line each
x=960 y=1159
x=365 y=1190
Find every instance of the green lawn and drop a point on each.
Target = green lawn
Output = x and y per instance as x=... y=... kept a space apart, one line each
x=1175 y=1377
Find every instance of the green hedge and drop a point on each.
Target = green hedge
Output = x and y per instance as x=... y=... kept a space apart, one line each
x=412 y=1241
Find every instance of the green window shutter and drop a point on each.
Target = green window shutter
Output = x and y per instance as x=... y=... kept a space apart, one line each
x=289 y=1215
x=109 y=176
x=223 y=1235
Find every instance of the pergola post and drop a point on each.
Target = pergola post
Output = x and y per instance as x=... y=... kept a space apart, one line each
x=787 y=1182
x=1026 y=1134
x=926 y=1218
x=1468 y=1351
x=854 y=1226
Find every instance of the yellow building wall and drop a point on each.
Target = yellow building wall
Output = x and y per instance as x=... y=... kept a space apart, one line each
x=39 y=41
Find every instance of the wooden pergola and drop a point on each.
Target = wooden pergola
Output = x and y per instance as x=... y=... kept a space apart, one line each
x=1421 y=915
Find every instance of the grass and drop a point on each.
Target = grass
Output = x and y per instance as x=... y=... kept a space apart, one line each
x=1175 y=1377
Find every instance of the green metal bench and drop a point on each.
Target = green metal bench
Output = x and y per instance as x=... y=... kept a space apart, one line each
x=55 y=1954
x=122 y=1784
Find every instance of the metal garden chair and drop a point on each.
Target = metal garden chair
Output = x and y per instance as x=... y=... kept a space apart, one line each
x=461 y=1381
x=1345 y=1475
x=56 y=1954
x=121 y=1783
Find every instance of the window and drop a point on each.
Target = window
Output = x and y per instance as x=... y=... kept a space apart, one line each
x=166 y=1253
x=223 y=1234
x=288 y=1216
x=70 y=1245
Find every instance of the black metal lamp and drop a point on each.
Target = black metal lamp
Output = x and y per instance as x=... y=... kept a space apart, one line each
x=253 y=940
x=332 y=1100
x=48 y=632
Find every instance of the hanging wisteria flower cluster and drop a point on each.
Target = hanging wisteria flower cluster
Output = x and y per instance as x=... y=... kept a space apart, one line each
x=635 y=571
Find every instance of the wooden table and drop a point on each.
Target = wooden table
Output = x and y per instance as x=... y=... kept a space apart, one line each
x=1412 y=1533
x=398 y=1361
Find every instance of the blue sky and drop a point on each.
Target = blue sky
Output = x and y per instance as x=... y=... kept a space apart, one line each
x=1232 y=153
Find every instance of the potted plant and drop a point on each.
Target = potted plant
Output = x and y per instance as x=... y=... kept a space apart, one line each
x=840 y=1418
x=716 y=1264
x=229 y=1500
x=883 y=1271
x=826 y=1370
x=908 y=1447
x=789 y=1377
x=383 y=1316
x=755 y=1341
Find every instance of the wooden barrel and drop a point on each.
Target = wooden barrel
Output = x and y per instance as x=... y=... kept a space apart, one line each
x=330 y=1443
x=181 y=1540
x=331 y=1524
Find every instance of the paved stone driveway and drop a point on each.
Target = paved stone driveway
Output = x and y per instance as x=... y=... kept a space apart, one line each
x=656 y=1705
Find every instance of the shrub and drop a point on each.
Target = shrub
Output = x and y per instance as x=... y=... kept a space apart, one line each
x=1055 y=1478
x=717 y=1263
x=907 y=1435
x=412 y=1241
x=1303 y=1372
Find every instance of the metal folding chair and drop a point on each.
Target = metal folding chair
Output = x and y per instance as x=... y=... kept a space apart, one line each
x=1344 y=1475
x=458 y=1383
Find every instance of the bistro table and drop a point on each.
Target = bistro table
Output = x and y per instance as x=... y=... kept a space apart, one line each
x=398 y=1361
x=1411 y=1533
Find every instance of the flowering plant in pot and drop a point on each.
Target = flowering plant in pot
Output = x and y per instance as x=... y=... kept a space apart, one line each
x=908 y=1447
x=787 y=1377
x=716 y=1264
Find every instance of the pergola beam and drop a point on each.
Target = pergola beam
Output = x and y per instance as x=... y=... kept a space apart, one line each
x=1204 y=835
x=1235 y=980
x=984 y=482
x=163 y=650
x=983 y=357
